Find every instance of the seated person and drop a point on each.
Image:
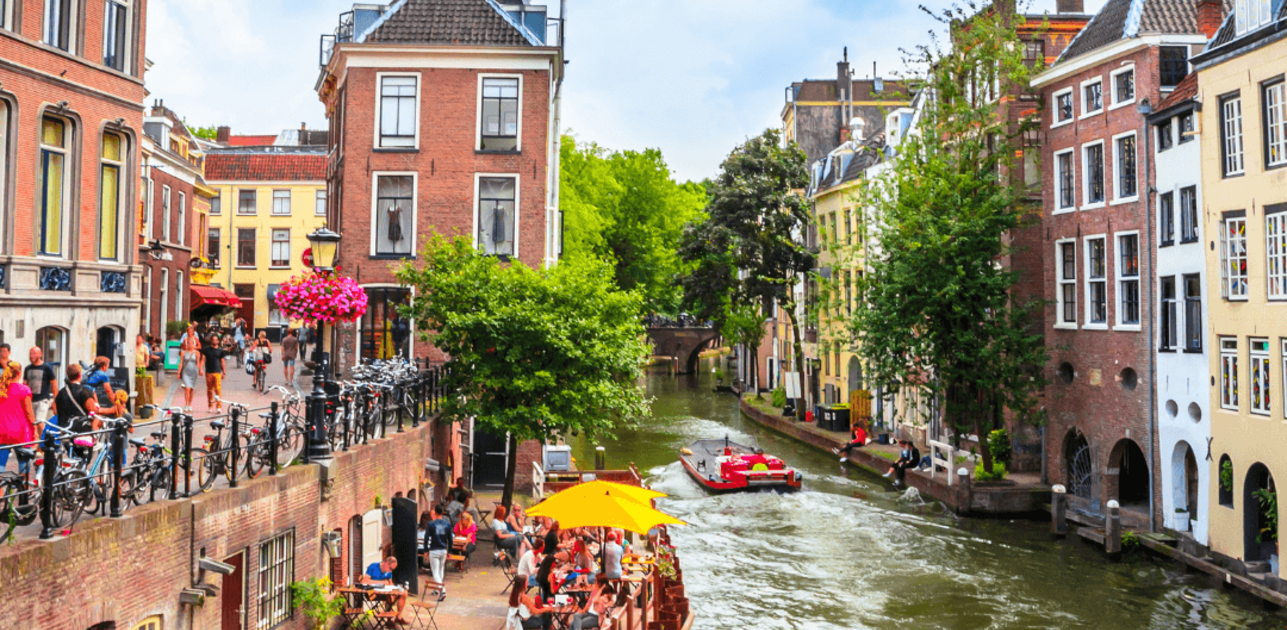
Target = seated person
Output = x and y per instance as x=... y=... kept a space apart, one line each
x=859 y=440
x=458 y=492
x=524 y=612
x=612 y=553
x=584 y=562
x=546 y=577
x=506 y=538
x=380 y=573
x=908 y=457
x=597 y=605
x=466 y=530
x=527 y=566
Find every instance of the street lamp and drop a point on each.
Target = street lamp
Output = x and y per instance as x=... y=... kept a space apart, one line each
x=325 y=245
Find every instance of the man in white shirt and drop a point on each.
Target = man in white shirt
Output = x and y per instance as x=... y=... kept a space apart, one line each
x=527 y=566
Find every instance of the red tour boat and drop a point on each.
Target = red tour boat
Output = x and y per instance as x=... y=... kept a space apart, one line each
x=724 y=466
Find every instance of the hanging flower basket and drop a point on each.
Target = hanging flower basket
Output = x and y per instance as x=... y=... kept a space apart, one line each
x=325 y=298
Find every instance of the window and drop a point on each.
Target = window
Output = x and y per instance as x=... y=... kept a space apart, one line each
x=1168 y=324
x=1096 y=282
x=58 y=23
x=398 y=105
x=1067 y=296
x=1229 y=373
x=1093 y=167
x=213 y=246
x=395 y=213
x=1193 y=313
x=1065 y=180
x=280 y=248
x=1032 y=158
x=1128 y=280
x=147 y=297
x=246 y=247
x=500 y=115
x=165 y=213
x=183 y=218
x=1164 y=139
x=165 y=304
x=115 y=29
x=247 y=202
x=1276 y=253
x=496 y=217
x=1250 y=15
x=1275 y=125
x=319 y=203
x=1231 y=135
x=178 y=296
x=1092 y=97
x=275 y=316
x=1189 y=214
x=1260 y=376
x=1233 y=258
x=276 y=572
x=151 y=623
x=382 y=332
x=109 y=202
x=1123 y=86
x=1166 y=218
x=54 y=147
x=281 y=202
x=1034 y=52
x=1124 y=162
x=216 y=205
x=1186 y=127
x=1283 y=353
x=1063 y=106
x=1173 y=65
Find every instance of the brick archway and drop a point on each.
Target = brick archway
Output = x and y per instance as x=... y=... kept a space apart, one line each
x=684 y=344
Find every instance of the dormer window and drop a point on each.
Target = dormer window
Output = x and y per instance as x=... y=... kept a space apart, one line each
x=1249 y=15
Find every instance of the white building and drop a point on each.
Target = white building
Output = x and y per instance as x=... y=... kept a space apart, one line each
x=1183 y=394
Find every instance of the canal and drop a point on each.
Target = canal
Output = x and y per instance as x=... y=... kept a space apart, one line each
x=847 y=553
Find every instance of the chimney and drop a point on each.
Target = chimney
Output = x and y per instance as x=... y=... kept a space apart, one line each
x=1210 y=15
x=1070 y=6
x=843 y=80
x=222 y=135
x=303 y=126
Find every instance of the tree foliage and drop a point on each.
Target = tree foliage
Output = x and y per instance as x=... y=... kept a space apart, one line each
x=625 y=207
x=938 y=314
x=207 y=133
x=534 y=352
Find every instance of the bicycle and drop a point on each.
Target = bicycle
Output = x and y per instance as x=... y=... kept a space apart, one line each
x=19 y=496
x=213 y=458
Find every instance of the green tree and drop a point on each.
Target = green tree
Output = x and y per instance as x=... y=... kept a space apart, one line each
x=535 y=353
x=744 y=326
x=207 y=133
x=938 y=313
x=751 y=241
x=626 y=208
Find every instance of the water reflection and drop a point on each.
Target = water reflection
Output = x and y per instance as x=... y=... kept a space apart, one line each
x=845 y=552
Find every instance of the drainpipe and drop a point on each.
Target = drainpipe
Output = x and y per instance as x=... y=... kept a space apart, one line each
x=1145 y=108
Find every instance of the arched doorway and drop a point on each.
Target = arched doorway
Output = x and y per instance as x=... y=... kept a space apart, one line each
x=109 y=342
x=1184 y=479
x=1128 y=475
x=52 y=340
x=1079 y=464
x=1260 y=524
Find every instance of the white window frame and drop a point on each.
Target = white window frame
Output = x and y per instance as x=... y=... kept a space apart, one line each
x=1054 y=108
x=1086 y=111
x=281 y=195
x=165 y=304
x=1276 y=255
x=123 y=214
x=183 y=218
x=1282 y=353
x=1233 y=157
x=1123 y=280
x=272 y=248
x=478 y=120
x=1227 y=259
x=1250 y=15
x=147 y=298
x=1106 y=280
x=178 y=295
x=319 y=203
x=151 y=207
x=415 y=207
x=69 y=155
x=518 y=207
x=126 y=54
x=6 y=16
x=165 y=214
x=1260 y=358
x=1228 y=392
x=255 y=193
x=73 y=19
x=1117 y=165
x=1059 y=178
x=1061 y=282
x=1085 y=176
x=379 y=87
x=1275 y=123
x=1112 y=86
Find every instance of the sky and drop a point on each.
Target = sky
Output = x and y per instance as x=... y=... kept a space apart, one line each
x=692 y=78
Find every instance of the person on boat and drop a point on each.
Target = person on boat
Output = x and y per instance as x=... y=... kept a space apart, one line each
x=524 y=612
x=859 y=440
x=908 y=457
x=756 y=460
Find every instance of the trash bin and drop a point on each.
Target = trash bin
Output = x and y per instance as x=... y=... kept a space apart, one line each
x=828 y=417
x=840 y=419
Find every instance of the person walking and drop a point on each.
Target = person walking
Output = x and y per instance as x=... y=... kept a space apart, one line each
x=142 y=352
x=239 y=336
x=100 y=379
x=43 y=382
x=438 y=541
x=213 y=369
x=290 y=352
x=189 y=368
x=17 y=418
x=77 y=402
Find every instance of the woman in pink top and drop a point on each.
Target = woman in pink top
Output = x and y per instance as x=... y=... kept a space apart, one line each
x=466 y=529
x=17 y=418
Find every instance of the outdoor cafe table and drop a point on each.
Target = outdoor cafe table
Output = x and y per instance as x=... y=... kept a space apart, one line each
x=381 y=602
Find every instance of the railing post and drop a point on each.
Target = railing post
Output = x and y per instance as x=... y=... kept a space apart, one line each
x=118 y=462
x=417 y=394
x=187 y=456
x=176 y=443
x=234 y=451
x=349 y=424
x=318 y=446
x=272 y=440
x=384 y=412
x=47 y=487
x=400 y=390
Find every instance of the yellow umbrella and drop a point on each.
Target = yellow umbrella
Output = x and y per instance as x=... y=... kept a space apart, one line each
x=621 y=490
x=604 y=506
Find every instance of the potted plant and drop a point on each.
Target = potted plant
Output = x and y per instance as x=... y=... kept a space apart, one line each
x=1181 y=520
x=315 y=599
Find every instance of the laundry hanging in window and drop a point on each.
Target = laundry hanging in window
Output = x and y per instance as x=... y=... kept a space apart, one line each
x=395 y=224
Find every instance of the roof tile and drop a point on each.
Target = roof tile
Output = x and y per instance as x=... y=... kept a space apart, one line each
x=265 y=167
x=467 y=22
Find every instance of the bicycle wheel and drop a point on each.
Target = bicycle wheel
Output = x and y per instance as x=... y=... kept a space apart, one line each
x=256 y=455
x=288 y=444
x=68 y=496
x=208 y=467
x=96 y=496
x=162 y=481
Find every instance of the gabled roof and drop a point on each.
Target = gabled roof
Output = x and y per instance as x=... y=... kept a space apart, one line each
x=1186 y=90
x=265 y=165
x=1126 y=19
x=457 y=22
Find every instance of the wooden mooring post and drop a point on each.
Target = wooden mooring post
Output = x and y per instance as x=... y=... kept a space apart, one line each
x=1058 y=511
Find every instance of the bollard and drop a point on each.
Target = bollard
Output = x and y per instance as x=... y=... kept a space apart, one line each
x=600 y=458
x=234 y=452
x=176 y=439
x=272 y=440
x=964 y=492
x=1113 y=529
x=118 y=461
x=1058 y=511
x=47 y=486
x=187 y=456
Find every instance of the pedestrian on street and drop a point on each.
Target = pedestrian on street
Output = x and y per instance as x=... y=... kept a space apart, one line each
x=142 y=352
x=189 y=368
x=4 y=354
x=77 y=402
x=290 y=352
x=213 y=370
x=305 y=337
x=101 y=380
x=239 y=336
x=17 y=418
x=43 y=382
x=438 y=541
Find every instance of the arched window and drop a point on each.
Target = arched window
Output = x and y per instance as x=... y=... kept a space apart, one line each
x=151 y=623
x=55 y=160
x=111 y=195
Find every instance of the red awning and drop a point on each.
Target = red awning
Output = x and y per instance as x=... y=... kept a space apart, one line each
x=213 y=296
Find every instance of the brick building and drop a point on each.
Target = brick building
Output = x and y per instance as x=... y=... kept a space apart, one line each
x=71 y=120
x=1100 y=441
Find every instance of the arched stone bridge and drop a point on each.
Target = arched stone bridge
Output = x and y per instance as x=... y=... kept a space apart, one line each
x=682 y=343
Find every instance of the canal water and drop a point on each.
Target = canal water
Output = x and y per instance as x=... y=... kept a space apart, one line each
x=845 y=552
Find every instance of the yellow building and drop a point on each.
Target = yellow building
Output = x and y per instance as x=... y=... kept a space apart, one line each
x=270 y=198
x=1243 y=133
